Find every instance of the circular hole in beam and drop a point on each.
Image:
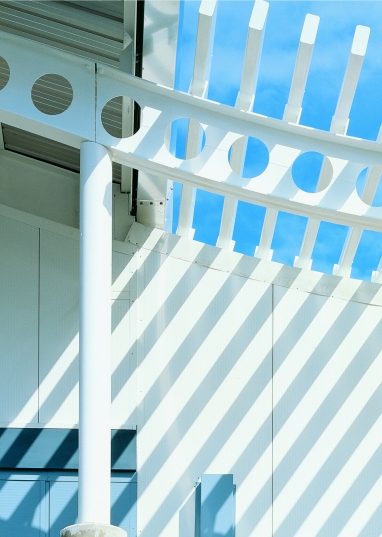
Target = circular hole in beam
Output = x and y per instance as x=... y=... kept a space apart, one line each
x=185 y=138
x=312 y=172
x=369 y=186
x=117 y=116
x=4 y=73
x=52 y=94
x=248 y=157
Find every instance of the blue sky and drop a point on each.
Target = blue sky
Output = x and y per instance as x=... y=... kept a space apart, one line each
x=338 y=20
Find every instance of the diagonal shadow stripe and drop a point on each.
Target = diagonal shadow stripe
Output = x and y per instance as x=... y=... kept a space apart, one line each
x=354 y=497
x=329 y=407
x=211 y=382
x=332 y=466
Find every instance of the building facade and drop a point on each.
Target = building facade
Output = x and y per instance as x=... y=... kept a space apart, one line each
x=245 y=394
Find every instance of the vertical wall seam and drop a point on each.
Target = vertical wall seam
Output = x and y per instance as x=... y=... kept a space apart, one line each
x=272 y=342
x=95 y=102
x=38 y=323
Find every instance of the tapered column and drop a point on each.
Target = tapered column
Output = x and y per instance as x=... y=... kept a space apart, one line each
x=95 y=334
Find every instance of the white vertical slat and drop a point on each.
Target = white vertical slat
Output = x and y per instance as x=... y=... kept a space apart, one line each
x=198 y=88
x=186 y=212
x=373 y=176
x=244 y=101
x=227 y=224
x=376 y=275
x=252 y=56
x=263 y=251
x=293 y=108
x=339 y=125
x=292 y=114
x=348 y=252
x=357 y=54
x=304 y=260
x=354 y=235
x=203 y=49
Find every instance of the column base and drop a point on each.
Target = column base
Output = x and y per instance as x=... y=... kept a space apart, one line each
x=92 y=530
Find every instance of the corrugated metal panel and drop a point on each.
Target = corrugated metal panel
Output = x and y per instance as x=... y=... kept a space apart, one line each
x=40 y=148
x=90 y=29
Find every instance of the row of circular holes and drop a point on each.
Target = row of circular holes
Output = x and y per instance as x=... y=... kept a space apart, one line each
x=257 y=155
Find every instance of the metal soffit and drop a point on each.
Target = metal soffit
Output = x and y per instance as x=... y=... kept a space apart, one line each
x=90 y=29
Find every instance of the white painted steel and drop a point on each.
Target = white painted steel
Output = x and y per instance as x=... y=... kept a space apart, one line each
x=95 y=334
x=340 y=119
x=348 y=252
x=304 y=260
x=186 y=212
x=210 y=170
x=16 y=107
x=263 y=251
x=244 y=101
x=227 y=224
x=203 y=48
x=198 y=88
x=252 y=55
x=293 y=108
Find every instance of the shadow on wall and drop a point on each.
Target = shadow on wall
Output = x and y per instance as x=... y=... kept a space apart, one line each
x=38 y=481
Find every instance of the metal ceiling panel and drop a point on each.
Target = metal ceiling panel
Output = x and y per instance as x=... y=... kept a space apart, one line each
x=91 y=29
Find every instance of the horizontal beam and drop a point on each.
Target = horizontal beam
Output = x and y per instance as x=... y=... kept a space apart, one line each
x=210 y=170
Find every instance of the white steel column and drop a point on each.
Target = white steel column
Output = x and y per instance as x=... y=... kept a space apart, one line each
x=95 y=334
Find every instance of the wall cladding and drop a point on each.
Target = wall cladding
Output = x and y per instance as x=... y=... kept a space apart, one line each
x=275 y=385
x=18 y=321
x=205 y=381
x=39 y=329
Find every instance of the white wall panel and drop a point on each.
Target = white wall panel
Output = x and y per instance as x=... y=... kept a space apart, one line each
x=327 y=415
x=18 y=321
x=124 y=358
x=59 y=318
x=205 y=385
x=59 y=321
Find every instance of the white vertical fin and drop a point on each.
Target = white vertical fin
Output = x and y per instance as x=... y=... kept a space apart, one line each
x=252 y=56
x=186 y=212
x=199 y=88
x=292 y=113
x=376 y=275
x=292 y=110
x=357 y=54
x=203 y=49
x=263 y=251
x=244 y=101
x=348 y=252
x=304 y=260
x=227 y=224
x=373 y=176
